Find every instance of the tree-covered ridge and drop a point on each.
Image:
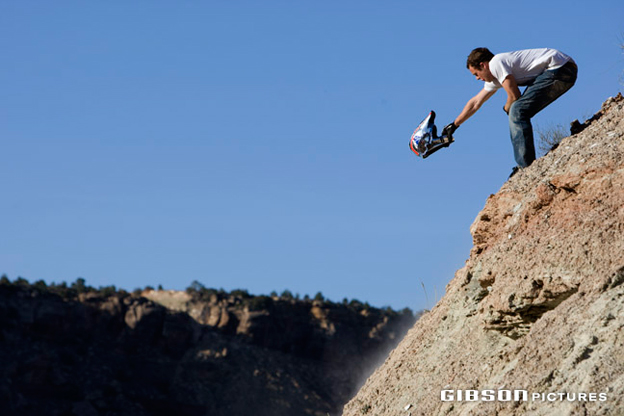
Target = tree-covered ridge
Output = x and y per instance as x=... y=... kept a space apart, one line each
x=198 y=292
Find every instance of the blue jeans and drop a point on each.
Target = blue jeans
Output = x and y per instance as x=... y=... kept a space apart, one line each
x=545 y=89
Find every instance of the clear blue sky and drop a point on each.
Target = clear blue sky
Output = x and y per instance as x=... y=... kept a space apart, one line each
x=263 y=145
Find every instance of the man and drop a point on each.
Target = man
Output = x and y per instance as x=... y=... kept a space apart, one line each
x=547 y=74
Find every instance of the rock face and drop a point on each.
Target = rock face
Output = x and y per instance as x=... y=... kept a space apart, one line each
x=93 y=354
x=539 y=305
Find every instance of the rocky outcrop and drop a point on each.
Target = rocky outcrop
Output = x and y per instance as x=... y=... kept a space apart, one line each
x=539 y=304
x=120 y=354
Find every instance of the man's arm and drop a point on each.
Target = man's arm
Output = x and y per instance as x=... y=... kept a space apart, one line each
x=512 y=90
x=473 y=105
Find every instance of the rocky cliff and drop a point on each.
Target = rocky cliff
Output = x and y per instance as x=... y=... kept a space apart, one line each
x=532 y=324
x=83 y=352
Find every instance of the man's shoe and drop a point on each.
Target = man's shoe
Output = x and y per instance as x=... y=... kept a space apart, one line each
x=514 y=170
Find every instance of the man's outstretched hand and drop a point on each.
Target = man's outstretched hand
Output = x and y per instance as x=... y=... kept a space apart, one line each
x=449 y=129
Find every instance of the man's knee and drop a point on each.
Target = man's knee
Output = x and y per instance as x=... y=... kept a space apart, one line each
x=518 y=112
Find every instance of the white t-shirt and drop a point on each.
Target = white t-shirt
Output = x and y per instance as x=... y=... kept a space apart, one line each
x=524 y=65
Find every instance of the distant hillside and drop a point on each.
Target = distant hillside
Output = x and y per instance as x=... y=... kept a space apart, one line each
x=75 y=350
x=539 y=305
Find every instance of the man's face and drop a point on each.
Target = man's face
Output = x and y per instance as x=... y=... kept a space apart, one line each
x=482 y=72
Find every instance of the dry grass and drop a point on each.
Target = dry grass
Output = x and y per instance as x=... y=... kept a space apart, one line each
x=549 y=137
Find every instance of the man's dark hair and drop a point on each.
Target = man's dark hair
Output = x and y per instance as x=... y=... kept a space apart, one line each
x=477 y=56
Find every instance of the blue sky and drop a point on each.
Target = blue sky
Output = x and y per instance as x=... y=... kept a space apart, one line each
x=264 y=145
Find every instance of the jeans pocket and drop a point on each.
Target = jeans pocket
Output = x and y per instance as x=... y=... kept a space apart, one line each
x=566 y=73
